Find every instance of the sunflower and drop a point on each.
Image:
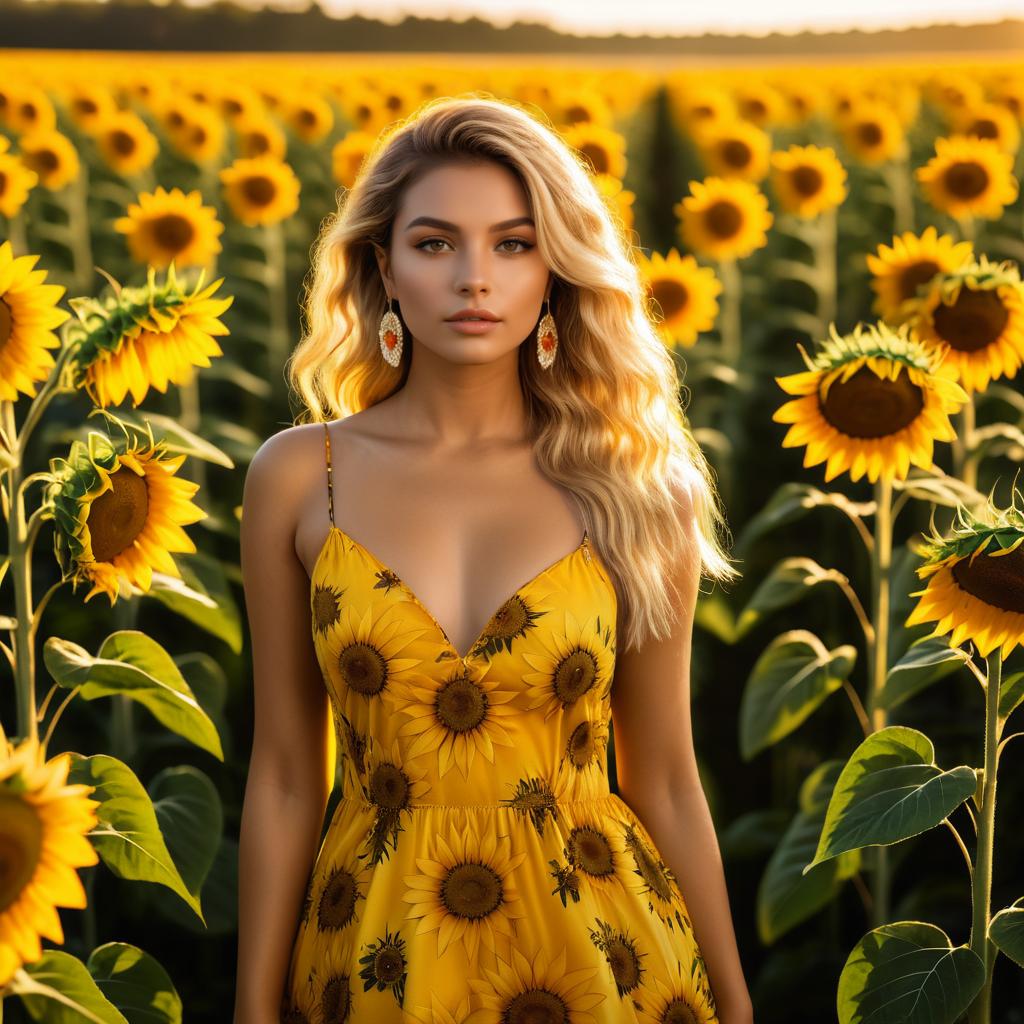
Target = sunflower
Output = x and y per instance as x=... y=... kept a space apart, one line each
x=1010 y=95
x=90 y=104
x=575 y=106
x=391 y=786
x=16 y=181
x=760 y=103
x=438 y=1013
x=165 y=227
x=969 y=177
x=977 y=310
x=603 y=148
x=310 y=116
x=803 y=100
x=28 y=315
x=685 y=996
x=735 y=149
x=261 y=190
x=808 y=180
x=149 y=337
x=52 y=156
x=347 y=156
x=872 y=402
x=125 y=142
x=465 y=891
x=43 y=828
x=990 y=121
x=872 y=133
x=954 y=91
x=595 y=855
x=458 y=717
x=29 y=109
x=201 y=137
x=572 y=665
x=622 y=953
x=724 y=219
x=541 y=989
x=239 y=103
x=120 y=515
x=586 y=748
x=976 y=580
x=324 y=992
x=619 y=200
x=698 y=106
x=259 y=136
x=912 y=261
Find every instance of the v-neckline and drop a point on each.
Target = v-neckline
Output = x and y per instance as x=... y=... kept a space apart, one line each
x=412 y=595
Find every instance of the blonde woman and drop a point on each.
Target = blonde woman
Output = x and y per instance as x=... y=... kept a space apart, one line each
x=481 y=547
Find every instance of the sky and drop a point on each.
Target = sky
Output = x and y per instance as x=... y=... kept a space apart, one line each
x=748 y=17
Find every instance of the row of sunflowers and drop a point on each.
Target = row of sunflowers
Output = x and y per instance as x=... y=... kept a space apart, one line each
x=175 y=175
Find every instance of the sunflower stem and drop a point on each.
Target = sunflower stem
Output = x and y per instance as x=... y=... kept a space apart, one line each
x=16 y=234
x=20 y=554
x=826 y=261
x=980 y=1011
x=273 y=240
x=81 y=240
x=881 y=565
x=968 y=466
x=897 y=177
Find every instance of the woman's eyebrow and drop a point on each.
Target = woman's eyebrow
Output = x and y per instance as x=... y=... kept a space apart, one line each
x=447 y=225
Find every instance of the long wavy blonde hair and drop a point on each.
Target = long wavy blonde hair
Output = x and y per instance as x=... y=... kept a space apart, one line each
x=606 y=420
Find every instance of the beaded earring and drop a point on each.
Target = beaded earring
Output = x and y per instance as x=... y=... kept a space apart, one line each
x=390 y=334
x=547 y=338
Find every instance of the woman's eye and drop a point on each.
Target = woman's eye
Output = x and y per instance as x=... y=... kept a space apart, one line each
x=424 y=245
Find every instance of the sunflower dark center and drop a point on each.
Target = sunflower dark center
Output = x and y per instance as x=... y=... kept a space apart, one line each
x=581 y=744
x=307 y=118
x=3 y=183
x=123 y=143
x=337 y=904
x=461 y=705
x=472 y=890
x=576 y=113
x=984 y=128
x=807 y=180
x=173 y=232
x=754 y=109
x=259 y=190
x=679 y=1011
x=257 y=144
x=966 y=179
x=388 y=786
x=535 y=1006
x=736 y=153
x=325 y=609
x=232 y=107
x=975 y=320
x=118 y=515
x=388 y=965
x=723 y=219
x=869 y=133
x=6 y=323
x=998 y=580
x=597 y=155
x=868 y=406
x=916 y=274
x=650 y=869
x=574 y=676
x=21 y=843
x=84 y=105
x=43 y=161
x=336 y=1001
x=625 y=966
x=671 y=295
x=363 y=668
x=589 y=849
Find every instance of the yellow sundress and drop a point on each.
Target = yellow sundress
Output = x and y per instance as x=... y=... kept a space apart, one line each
x=477 y=867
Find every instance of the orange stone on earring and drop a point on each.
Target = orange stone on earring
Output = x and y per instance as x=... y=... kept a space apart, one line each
x=547 y=341
x=390 y=339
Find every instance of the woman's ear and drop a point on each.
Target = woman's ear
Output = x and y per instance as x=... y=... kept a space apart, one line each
x=384 y=265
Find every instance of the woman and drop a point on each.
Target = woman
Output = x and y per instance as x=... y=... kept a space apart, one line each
x=490 y=405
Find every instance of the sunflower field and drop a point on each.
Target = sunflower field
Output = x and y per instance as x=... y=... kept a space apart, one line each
x=832 y=255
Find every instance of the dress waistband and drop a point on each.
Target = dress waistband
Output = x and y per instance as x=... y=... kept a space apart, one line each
x=504 y=805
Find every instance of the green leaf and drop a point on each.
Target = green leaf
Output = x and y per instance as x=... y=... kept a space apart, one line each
x=942 y=490
x=1006 y=930
x=133 y=664
x=1011 y=693
x=786 y=896
x=188 y=809
x=202 y=596
x=788 y=582
x=136 y=983
x=907 y=972
x=57 y=988
x=790 y=502
x=128 y=836
x=714 y=615
x=792 y=677
x=928 y=660
x=891 y=789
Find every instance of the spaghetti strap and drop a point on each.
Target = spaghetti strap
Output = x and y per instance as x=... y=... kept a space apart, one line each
x=330 y=485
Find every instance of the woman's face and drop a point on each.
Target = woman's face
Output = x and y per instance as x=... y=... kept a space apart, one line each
x=463 y=237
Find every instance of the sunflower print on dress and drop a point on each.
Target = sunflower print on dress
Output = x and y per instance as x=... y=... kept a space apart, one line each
x=391 y=786
x=385 y=965
x=622 y=954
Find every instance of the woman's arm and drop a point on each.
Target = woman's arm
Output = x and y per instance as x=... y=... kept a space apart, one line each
x=657 y=776
x=287 y=788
